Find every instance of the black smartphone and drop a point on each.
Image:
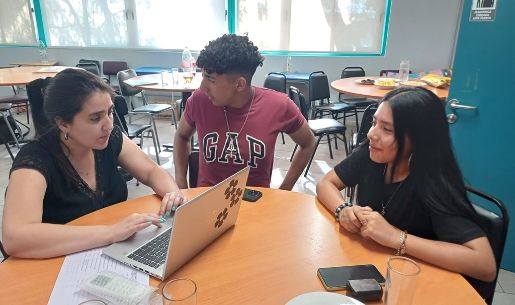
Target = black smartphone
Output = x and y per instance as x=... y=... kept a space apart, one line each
x=336 y=278
x=251 y=195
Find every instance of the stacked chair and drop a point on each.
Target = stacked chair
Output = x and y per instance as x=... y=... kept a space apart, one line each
x=149 y=109
x=132 y=130
x=320 y=127
x=319 y=94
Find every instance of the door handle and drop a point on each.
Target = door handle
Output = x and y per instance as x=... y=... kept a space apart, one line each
x=455 y=104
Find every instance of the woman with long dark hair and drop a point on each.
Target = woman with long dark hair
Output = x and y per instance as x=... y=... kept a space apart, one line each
x=71 y=169
x=410 y=191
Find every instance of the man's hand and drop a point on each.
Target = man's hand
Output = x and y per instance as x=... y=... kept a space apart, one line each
x=306 y=141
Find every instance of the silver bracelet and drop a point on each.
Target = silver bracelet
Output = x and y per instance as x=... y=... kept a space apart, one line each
x=402 y=244
x=340 y=208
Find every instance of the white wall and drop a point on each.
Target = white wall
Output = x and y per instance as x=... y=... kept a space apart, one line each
x=420 y=30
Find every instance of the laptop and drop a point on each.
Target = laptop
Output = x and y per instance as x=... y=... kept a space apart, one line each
x=194 y=225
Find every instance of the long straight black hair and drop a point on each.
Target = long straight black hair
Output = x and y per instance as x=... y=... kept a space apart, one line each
x=63 y=98
x=419 y=114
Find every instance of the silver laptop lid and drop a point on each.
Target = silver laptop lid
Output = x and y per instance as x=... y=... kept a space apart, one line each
x=202 y=219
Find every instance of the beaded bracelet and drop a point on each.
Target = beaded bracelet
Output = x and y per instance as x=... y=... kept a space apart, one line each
x=402 y=245
x=340 y=208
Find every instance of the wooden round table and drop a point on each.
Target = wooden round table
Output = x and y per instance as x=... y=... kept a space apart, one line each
x=18 y=76
x=351 y=87
x=269 y=257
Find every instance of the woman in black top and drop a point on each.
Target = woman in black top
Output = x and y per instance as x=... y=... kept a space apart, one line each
x=411 y=196
x=71 y=170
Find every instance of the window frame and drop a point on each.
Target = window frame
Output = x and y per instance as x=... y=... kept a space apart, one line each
x=231 y=18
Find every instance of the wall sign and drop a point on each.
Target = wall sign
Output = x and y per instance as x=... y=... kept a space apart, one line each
x=483 y=10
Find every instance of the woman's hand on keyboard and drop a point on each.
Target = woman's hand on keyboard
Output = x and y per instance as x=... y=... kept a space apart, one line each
x=132 y=224
x=171 y=201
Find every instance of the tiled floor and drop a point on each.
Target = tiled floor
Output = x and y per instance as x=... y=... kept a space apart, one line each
x=505 y=291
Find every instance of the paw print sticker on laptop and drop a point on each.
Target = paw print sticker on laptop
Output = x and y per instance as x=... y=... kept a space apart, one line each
x=232 y=193
x=220 y=218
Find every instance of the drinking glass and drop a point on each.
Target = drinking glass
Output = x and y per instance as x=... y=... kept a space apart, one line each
x=164 y=78
x=401 y=280
x=187 y=75
x=180 y=292
x=404 y=71
x=175 y=75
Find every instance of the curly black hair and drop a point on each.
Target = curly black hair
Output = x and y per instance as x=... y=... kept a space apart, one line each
x=231 y=53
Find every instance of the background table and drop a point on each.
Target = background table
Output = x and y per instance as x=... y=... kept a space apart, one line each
x=34 y=63
x=179 y=86
x=21 y=75
x=349 y=86
x=269 y=257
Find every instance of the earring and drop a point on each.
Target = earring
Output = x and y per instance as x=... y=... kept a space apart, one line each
x=66 y=136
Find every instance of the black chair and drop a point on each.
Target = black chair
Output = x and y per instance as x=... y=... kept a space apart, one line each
x=94 y=62
x=151 y=109
x=358 y=137
x=320 y=127
x=496 y=226
x=319 y=91
x=11 y=131
x=35 y=94
x=364 y=127
x=359 y=102
x=90 y=67
x=6 y=144
x=276 y=81
x=193 y=160
x=111 y=68
x=132 y=130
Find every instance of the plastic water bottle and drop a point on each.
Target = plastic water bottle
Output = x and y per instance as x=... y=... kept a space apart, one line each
x=43 y=53
x=187 y=59
x=404 y=70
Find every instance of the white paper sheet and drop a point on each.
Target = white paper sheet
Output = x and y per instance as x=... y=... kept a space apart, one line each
x=78 y=267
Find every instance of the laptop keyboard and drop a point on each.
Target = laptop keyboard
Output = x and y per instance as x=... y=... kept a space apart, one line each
x=153 y=253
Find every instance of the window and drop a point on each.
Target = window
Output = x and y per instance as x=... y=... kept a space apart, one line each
x=310 y=27
x=85 y=23
x=16 y=23
x=176 y=24
x=343 y=26
x=133 y=23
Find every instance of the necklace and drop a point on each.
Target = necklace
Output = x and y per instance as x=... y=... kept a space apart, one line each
x=385 y=205
x=231 y=148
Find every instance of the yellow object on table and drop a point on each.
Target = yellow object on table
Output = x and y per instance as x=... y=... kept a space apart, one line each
x=436 y=80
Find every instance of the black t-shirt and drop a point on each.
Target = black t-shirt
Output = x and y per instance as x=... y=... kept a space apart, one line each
x=403 y=207
x=66 y=201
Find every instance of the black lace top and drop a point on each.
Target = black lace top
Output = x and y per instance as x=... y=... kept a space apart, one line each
x=66 y=200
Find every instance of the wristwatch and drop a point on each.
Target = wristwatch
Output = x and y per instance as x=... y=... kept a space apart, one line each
x=340 y=208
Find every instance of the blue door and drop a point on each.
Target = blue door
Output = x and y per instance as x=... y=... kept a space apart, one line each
x=484 y=77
